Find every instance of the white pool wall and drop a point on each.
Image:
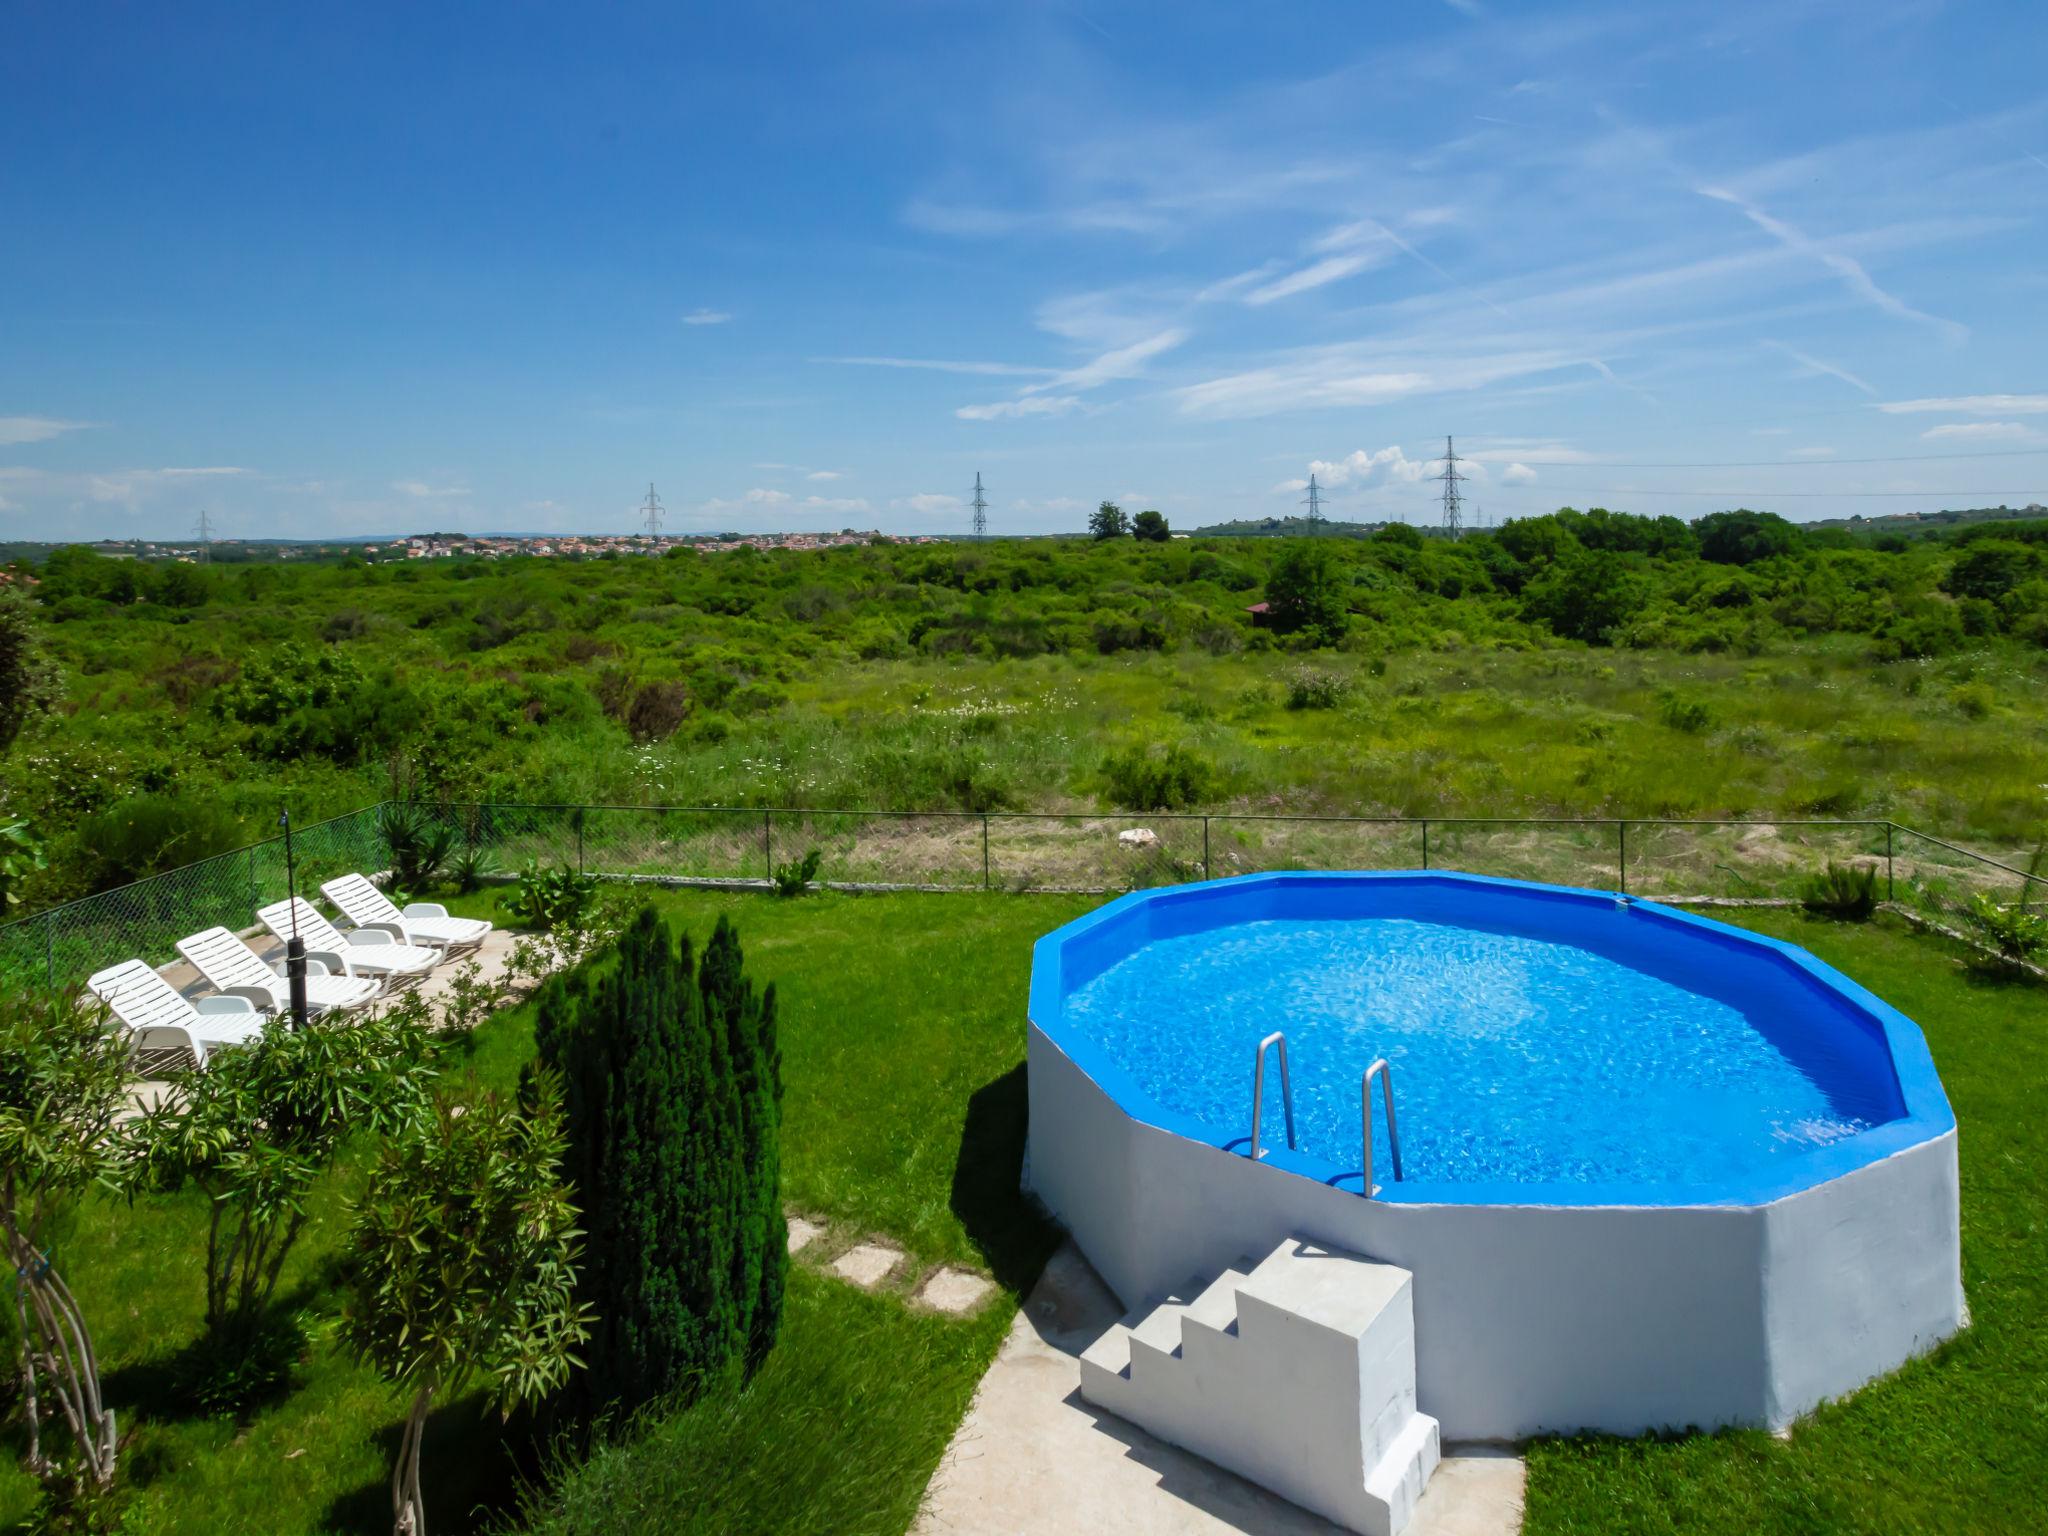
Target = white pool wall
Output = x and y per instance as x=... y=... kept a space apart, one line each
x=1533 y=1319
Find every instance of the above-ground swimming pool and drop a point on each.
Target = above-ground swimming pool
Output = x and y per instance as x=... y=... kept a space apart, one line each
x=1657 y=1171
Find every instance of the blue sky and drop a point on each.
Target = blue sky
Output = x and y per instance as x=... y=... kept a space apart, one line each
x=373 y=269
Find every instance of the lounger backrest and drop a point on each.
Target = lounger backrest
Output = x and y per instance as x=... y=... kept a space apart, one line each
x=139 y=997
x=225 y=960
x=313 y=928
x=361 y=902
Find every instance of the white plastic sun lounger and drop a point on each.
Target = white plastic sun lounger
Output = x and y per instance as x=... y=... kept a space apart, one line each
x=157 y=1017
x=361 y=952
x=233 y=969
x=422 y=922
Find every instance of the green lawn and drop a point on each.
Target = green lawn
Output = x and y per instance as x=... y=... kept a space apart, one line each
x=902 y=1031
x=893 y=1060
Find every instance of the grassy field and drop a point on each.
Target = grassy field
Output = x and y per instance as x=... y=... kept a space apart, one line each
x=905 y=1118
x=182 y=706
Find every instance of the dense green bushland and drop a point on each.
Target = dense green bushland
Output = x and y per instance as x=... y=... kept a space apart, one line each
x=1590 y=663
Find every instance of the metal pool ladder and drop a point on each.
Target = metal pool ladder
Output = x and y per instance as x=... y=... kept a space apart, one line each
x=1279 y=1038
x=1385 y=1074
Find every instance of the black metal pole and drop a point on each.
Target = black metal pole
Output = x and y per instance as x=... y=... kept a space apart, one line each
x=294 y=947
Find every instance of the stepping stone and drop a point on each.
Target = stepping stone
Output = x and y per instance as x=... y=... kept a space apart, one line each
x=802 y=1233
x=868 y=1264
x=955 y=1291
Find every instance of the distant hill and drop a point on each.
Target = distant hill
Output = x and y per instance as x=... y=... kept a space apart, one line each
x=1287 y=528
x=1929 y=522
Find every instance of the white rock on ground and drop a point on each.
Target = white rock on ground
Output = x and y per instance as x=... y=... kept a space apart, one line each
x=867 y=1265
x=802 y=1233
x=955 y=1291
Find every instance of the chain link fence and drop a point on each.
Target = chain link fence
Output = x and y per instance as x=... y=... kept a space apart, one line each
x=1740 y=861
x=69 y=943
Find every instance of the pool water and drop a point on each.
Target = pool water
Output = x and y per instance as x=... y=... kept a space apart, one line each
x=1516 y=1059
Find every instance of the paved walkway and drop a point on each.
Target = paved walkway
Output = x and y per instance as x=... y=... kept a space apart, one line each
x=1032 y=1459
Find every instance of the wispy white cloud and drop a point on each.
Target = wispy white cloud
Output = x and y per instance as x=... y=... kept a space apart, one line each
x=1029 y=405
x=707 y=317
x=928 y=503
x=945 y=365
x=421 y=490
x=1982 y=432
x=1813 y=367
x=1518 y=474
x=1126 y=362
x=1852 y=273
x=801 y=469
x=1968 y=405
x=1329 y=270
x=1529 y=450
x=36 y=429
x=1352 y=375
x=1816 y=451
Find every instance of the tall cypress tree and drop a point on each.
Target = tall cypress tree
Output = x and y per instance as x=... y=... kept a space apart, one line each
x=761 y=1258
x=658 y=1131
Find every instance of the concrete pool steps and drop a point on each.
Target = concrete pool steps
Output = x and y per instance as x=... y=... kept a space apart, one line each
x=1297 y=1373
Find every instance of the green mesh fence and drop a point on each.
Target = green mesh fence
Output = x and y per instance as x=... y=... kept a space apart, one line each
x=947 y=850
x=68 y=943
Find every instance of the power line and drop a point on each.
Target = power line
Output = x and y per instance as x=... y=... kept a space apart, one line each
x=1913 y=458
x=980 y=505
x=1451 y=479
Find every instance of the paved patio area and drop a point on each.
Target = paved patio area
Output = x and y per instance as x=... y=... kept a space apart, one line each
x=1032 y=1459
x=491 y=956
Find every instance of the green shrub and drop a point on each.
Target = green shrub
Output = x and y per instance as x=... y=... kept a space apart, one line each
x=1305 y=594
x=1168 y=780
x=417 y=841
x=147 y=834
x=548 y=899
x=672 y=1086
x=795 y=877
x=1313 y=688
x=1846 y=891
x=2011 y=928
x=1684 y=713
x=1974 y=701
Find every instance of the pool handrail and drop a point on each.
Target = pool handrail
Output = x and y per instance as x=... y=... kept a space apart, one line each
x=1385 y=1072
x=1279 y=1038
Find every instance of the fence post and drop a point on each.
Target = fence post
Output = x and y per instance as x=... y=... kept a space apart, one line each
x=1206 y=874
x=984 y=850
x=1889 y=893
x=767 y=844
x=1425 y=842
x=1622 y=828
